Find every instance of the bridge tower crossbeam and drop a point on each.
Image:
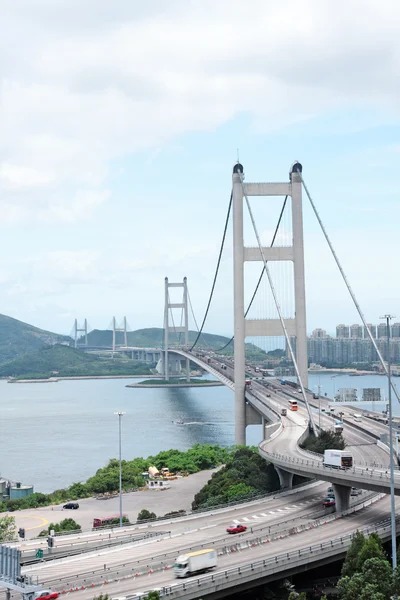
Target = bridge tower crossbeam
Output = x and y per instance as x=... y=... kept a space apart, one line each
x=266 y=327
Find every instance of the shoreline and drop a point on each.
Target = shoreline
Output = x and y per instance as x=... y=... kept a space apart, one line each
x=174 y=385
x=80 y=377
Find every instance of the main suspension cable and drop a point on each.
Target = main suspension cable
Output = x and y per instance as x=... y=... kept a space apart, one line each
x=195 y=321
x=216 y=273
x=348 y=286
x=261 y=274
x=278 y=308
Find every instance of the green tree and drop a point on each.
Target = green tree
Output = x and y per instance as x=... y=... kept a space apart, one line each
x=154 y=595
x=63 y=526
x=350 y=565
x=7 y=529
x=146 y=515
x=366 y=573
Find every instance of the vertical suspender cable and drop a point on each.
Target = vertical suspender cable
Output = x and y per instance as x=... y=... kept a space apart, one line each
x=278 y=308
x=348 y=285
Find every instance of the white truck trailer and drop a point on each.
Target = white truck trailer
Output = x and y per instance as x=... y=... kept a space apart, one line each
x=339 y=459
x=195 y=562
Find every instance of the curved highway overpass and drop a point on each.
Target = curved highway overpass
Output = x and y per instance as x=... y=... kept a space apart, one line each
x=286 y=531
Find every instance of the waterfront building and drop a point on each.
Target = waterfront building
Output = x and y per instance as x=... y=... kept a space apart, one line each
x=371 y=395
x=356 y=331
x=382 y=330
x=346 y=395
x=396 y=330
x=319 y=333
x=342 y=331
x=372 y=329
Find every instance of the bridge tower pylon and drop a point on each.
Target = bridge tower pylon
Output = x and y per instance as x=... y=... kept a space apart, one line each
x=77 y=330
x=119 y=329
x=181 y=329
x=295 y=253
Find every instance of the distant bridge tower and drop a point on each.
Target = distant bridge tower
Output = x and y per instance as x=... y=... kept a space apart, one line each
x=295 y=253
x=167 y=326
x=80 y=330
x=119 y=329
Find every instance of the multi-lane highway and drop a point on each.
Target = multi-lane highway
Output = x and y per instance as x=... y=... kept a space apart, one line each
x=288 y=522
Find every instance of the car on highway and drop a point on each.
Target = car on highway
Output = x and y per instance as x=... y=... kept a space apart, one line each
x=355 y=491
x=236 y=528
x=46 y=595
x=328 y=502
x=71 y=505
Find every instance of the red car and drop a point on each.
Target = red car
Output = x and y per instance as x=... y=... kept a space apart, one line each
x=328 y=502
x=46 y=595
x=236 y=528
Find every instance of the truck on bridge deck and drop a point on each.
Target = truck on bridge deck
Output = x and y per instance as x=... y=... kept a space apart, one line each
x=338 y=459
x=195 y=562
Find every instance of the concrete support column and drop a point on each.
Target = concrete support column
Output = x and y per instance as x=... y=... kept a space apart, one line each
x=263 y=424
x=285 y=478
x=299 y=278
x=342 y=496
x=238 y=306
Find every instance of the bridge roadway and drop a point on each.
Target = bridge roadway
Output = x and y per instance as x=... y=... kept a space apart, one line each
x=264 y=519
x=150 y=561
x=370 y=470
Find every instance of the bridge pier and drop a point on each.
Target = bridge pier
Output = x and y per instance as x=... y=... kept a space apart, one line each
x=252 y=416
x=285 y=478
x=342 y=496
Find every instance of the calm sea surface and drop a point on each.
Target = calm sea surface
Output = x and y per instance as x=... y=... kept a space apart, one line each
x=54 y=434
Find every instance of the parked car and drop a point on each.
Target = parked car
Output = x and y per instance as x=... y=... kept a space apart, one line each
x=46 y=595
x=72 y=505
x=236 y=529
x=328 y=502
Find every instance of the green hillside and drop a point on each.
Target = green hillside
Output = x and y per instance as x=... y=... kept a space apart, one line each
x=67 y=362
x=153 y=337
x=18 y=338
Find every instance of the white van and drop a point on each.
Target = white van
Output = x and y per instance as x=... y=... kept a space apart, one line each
x=357 y=417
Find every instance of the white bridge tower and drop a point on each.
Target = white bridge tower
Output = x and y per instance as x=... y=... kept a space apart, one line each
x=181 y=329
x=295 y=253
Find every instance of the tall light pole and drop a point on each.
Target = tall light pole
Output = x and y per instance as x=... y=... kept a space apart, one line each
x=318 y=387
x=334 y=386
x=392 y=498
x=120 y=414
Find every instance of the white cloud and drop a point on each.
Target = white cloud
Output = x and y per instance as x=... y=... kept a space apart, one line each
x=86 y=83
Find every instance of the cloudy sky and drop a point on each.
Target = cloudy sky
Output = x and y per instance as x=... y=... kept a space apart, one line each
x=119 y=125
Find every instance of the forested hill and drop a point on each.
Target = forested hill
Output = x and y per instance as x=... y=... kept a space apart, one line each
x=153 y=337
x=18 y=338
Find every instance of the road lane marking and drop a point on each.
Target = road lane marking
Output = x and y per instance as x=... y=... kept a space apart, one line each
x=42 y=524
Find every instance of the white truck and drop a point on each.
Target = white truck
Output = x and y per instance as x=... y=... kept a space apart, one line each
x=195 y=562
x=339 y=459
x=338 y=427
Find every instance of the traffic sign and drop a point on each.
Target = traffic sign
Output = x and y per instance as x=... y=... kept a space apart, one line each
x=39 y=553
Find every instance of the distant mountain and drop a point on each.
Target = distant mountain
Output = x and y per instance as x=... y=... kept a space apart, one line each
x=153 y=337
x=18 y=338
x=68 y=362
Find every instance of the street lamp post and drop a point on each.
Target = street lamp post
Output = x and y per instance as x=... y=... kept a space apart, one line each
x=318 y=387
x=387 y=318
x=334 y=386
x=120 y=415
